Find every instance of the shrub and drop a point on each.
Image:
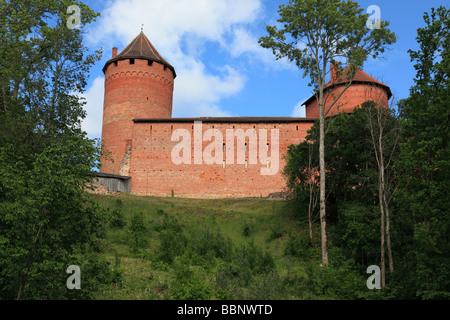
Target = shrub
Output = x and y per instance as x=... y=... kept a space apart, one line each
x=246 y=231
x=172 y=245
x=117 y=219
x=298 y=246
x=138 y=229
x=193 y=288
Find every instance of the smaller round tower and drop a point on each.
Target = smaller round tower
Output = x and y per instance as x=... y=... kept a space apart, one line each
x=138 y=84
x=363 y=88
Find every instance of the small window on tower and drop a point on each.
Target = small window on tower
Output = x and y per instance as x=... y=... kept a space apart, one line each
x=149 y=62
x=115 y=63
x=131 y=61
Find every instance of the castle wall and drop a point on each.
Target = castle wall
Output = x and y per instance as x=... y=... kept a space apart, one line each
x=154 y=172
x=355 y=95
x=131 y=91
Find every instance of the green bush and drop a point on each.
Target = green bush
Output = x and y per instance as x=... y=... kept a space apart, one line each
x=246 y=231
x=193 y=288
x=117 y=219
x=172 y=245
x=298 y=246
x=138 y=231
x=358 y=231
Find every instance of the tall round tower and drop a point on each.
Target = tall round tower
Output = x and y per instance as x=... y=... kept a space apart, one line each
x=138 y=84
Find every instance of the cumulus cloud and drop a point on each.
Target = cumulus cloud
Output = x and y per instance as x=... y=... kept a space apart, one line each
x=299 y=110
x=246 y=43
x=180 y=30
x=92 y=124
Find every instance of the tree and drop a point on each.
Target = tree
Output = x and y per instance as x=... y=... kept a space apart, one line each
x=315 y=33
x=424 y=164
x=385 y=138
x=46 y=217
x=353 y=176
x=301 y=176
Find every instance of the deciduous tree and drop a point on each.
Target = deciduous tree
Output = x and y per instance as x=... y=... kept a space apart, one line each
x=315 y=33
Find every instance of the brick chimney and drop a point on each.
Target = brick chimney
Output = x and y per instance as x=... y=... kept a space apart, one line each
x=333 y=68
x=114 y=52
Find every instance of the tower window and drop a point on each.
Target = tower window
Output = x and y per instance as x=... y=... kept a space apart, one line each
x=131 y=61
x=223 y=164
x=245 y=148
x=224 y=147
x=297 y=128
x=115 y=63
x=149 y=62
x=267 y=148
x=246 y=164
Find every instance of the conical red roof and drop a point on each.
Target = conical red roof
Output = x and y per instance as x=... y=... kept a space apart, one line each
x=141 y=48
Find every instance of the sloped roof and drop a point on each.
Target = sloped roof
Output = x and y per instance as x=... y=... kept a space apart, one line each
x=360 y=77
x=141 y=48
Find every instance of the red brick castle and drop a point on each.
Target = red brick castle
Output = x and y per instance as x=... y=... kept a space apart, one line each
x=139 y=134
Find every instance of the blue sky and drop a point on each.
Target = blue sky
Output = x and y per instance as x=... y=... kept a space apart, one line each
x=221 y=69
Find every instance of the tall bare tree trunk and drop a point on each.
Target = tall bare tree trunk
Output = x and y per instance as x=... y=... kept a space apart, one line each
x=388 y=237
x=381 y=166
x=323 y=222
x=312 y=194
x=383 y=263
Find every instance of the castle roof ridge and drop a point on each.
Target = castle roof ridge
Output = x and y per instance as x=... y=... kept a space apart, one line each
x=227 y=120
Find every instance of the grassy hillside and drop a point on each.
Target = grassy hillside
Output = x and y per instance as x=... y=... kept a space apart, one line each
x=172 y=248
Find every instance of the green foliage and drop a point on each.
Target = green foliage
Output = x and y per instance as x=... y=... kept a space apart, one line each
x=45 y=213
x=298 y=246
x=246 y=231
x=117 y=219
x=424 y=165
x=45 y=157
x=138 y=231
x=192 y=287
x=173 y=241
x=315 y=32
x=358 y=232
x=350 y=161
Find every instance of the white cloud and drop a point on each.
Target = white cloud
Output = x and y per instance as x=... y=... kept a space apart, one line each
x=92 y=124
x=245 y=43
x=299 y=110
x=180 y=29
